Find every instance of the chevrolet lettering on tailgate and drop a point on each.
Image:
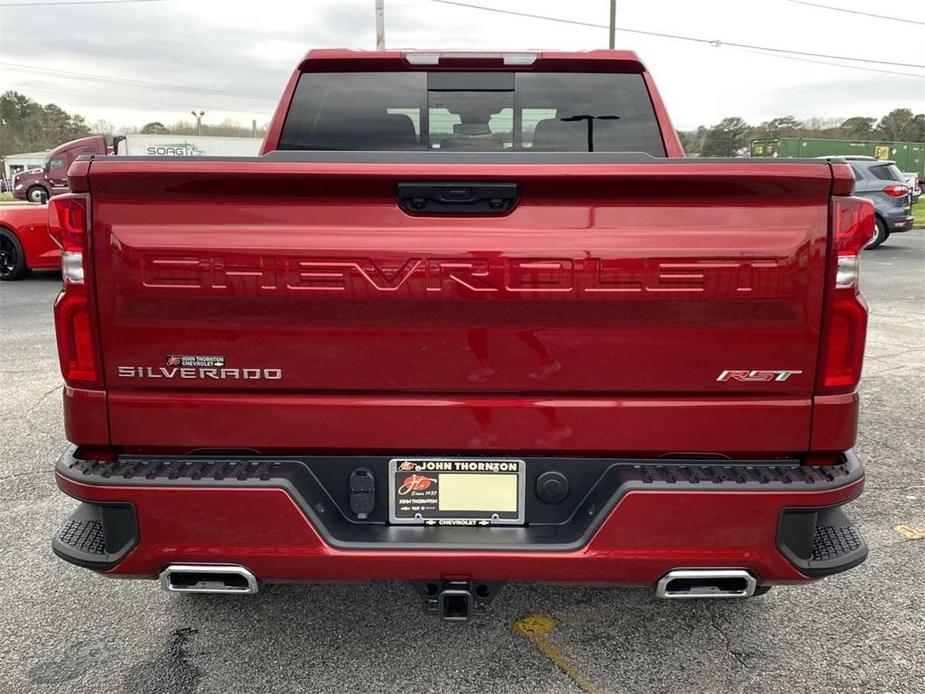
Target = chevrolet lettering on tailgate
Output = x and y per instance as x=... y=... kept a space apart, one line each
x=256 y=275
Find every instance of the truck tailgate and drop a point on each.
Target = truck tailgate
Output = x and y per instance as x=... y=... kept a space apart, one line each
x=247 y=301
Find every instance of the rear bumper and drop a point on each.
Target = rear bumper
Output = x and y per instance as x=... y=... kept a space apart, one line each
x=897 y=224
x=637 y=521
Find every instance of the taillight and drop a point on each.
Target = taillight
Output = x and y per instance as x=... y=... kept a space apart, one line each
x=896 y=191
x=68 y=225
x=845 y=315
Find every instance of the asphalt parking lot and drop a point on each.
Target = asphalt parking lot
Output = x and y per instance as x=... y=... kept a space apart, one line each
x=65 y=629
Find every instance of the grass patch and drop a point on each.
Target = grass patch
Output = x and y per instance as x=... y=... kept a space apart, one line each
x=918 y=211
x=6 y=197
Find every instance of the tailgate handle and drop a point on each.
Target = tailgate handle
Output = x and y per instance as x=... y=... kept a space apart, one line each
x=443 y=197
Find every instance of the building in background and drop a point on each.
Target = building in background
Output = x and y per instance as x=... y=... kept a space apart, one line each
x=15 y=163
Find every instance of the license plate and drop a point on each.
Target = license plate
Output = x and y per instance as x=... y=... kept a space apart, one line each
x=453 y=491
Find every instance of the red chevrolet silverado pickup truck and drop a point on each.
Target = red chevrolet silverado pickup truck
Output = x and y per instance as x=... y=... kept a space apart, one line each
x=469 y=318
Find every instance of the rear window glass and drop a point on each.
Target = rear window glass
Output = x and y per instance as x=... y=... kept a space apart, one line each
x=887 y=172
x=472 y=111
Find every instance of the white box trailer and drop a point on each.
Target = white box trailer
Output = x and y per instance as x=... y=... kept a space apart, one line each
x=186 y=146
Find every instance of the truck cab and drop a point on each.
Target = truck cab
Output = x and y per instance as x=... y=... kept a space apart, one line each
x=51 y=179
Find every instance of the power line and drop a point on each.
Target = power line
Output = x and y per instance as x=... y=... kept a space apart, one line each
x=56 y=93
x=826 y=62
x=864 y=14
x=527 y=14
x=110 y=79
x=76 y=2
x=679 y=37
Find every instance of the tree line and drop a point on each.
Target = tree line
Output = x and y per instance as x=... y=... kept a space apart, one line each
x=28 y=126
x=731 y=136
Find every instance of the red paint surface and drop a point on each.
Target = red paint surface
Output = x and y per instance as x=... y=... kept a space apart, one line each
x=85 y=416
x=608 y=291
x=835 y=422
x=29 y=223
x=404 y=423
x=646 y=535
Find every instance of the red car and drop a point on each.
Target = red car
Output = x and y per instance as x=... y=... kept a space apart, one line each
x=24 y=241
x=470 y=318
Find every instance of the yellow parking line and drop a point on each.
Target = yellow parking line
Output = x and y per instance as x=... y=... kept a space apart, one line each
x=535 y=628
x=910 y=533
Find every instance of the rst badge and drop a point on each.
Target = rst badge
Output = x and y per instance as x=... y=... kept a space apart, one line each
x=757 y=375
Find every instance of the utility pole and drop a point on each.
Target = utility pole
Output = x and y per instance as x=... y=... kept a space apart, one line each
x=613 y=24
x=198 y=117
x=380 y=25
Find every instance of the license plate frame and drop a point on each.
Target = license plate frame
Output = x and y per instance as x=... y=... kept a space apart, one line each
x=421 y=506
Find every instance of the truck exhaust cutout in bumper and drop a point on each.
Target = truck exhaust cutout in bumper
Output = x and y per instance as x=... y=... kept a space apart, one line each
x=685 y=584
x=208 y=578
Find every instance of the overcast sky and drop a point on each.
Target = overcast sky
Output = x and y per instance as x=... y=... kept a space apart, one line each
x=231 y=59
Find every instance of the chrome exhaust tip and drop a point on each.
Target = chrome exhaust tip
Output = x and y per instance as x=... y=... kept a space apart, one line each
x=685 y=584
x=208 y=578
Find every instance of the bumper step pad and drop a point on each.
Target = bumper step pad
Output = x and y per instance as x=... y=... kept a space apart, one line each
x=97 y=536
x=84 y=536
x=830 y=542
x=820 y=542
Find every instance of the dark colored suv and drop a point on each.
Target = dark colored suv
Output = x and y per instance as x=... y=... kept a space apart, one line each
x=883 y=183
